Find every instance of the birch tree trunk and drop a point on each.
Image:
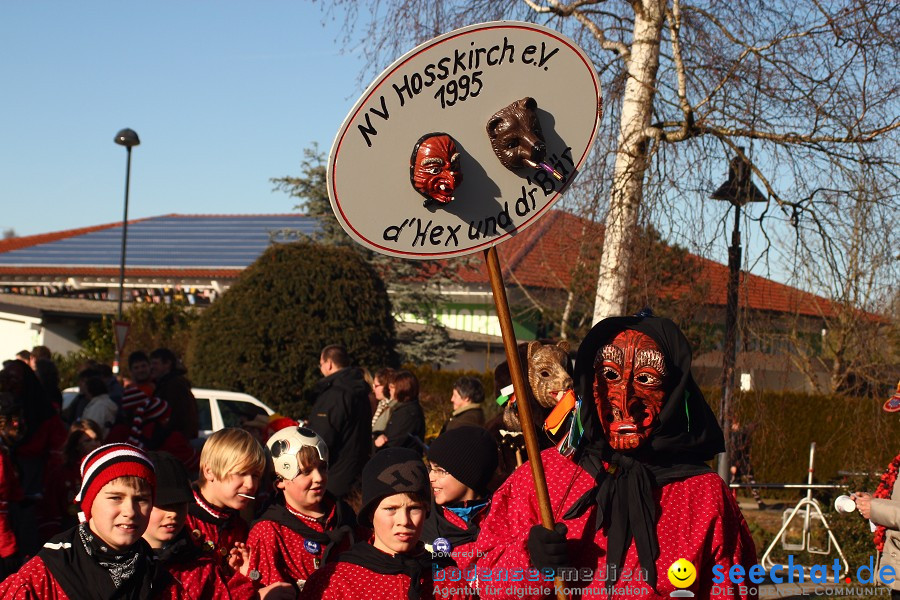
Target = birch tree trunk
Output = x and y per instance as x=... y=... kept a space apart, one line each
x=631 y=160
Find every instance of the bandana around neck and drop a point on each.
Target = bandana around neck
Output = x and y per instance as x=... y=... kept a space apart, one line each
x=437 y=525
x=86 y=569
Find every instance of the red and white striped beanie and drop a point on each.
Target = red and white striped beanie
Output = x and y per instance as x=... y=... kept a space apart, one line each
x=111 y=462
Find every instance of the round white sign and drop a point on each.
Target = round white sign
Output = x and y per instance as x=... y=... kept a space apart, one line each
x=513 y=108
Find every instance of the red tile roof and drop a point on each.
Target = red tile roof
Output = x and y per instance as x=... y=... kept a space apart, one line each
x=543 y=255
x=25 y=241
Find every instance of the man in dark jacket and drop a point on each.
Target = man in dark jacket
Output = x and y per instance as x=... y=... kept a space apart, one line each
x=468 y=394
x=342 y=416
x=173 y=387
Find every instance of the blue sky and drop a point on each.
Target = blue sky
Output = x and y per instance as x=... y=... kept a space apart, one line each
x=223 y=95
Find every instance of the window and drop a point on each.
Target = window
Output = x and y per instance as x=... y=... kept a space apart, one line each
x=235 y=412
x=204 y=414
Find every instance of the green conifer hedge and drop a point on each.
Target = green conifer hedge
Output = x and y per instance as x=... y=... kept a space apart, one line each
x=265 y=335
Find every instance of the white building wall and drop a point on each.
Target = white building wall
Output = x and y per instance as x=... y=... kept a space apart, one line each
x=18 y=332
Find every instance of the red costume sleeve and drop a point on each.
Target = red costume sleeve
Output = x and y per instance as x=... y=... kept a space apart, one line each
x=697 y=519
x=266 y=554
x=328 y=584
x=32 y=581
x=241 y=587
x=203 y=579
x=501 y=544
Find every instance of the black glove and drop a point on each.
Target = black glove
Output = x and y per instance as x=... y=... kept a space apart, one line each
x=547 y=548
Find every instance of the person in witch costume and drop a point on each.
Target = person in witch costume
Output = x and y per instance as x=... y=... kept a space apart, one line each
x=295 y=537
x=198 y=574
x=637 y=494
x=231 y=465
x=461 y=463
x=104 y=556
x=393 y=564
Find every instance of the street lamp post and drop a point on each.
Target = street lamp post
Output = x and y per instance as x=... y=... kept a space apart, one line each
x=128 y=138
x=738 y=190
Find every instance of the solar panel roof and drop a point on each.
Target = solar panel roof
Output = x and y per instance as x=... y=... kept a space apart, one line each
x=170 y=241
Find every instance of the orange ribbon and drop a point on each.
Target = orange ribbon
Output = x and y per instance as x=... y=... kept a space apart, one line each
x=559 y=413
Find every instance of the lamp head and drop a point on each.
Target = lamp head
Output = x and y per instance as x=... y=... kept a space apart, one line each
x=128 y=138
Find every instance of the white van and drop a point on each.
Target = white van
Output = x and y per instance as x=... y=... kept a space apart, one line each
x=216 y=409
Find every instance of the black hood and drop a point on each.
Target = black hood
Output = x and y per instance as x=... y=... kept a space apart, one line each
x=686 y=427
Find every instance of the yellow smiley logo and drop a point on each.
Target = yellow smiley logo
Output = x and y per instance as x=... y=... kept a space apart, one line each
x=682 y=573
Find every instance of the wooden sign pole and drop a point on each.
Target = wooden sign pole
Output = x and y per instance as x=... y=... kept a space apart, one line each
x=520 y=387
x=501 y=196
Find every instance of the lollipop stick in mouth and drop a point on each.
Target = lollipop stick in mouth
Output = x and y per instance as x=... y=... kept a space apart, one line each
x=556 y=174
x=249 y=497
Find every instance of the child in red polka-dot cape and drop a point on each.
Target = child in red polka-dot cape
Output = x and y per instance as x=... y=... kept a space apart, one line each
x=306 y=527
x=393 y=564
x=461 y=464
x=231 y=464
x=197 y=573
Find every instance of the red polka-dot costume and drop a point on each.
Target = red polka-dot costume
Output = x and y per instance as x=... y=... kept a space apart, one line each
x=346 y=581
x=215 y=530
x=279 y=553
x=203 y=578
x=34 y=581
x=698 y=520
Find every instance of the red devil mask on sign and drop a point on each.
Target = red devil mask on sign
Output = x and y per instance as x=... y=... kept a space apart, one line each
x=434 y=168
x=629 y=388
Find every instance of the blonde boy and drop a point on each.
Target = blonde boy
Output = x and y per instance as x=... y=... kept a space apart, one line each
x=231 y=464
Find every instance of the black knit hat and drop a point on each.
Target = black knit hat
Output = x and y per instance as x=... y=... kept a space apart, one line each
x=173 y=485
x=468 y=453
x=391 y=471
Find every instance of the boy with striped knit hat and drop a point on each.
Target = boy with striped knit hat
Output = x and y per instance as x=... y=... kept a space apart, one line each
x=104 y=556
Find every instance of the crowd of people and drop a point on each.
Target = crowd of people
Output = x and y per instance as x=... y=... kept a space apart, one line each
x=109 y=497
x=44 y=442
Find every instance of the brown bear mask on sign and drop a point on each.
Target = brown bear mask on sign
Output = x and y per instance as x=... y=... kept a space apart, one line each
x=516 y=135
x=434 y=168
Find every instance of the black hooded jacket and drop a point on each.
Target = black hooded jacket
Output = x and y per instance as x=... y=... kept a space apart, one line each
x=343 y=417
